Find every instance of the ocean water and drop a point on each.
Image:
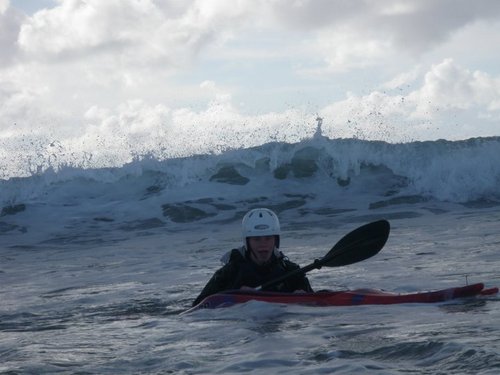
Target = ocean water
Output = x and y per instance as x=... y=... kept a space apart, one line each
x=96 y=264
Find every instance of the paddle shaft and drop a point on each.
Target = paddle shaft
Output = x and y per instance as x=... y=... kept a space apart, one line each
x=315 y=265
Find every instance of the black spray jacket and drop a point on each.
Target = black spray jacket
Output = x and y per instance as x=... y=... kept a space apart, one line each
x=240 y=271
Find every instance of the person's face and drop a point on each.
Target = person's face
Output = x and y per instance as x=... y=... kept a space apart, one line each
x=261 y=248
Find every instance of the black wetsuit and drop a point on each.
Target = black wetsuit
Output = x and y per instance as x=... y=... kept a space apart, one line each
x=242 y=271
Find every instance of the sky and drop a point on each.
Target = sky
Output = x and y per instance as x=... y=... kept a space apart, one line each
x=188 y=76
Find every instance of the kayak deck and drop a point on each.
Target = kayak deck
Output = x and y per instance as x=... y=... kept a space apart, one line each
x=342 y=298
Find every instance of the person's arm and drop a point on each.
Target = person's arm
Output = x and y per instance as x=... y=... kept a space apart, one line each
x=219 y=281
x=299 y=282
x=304 y=285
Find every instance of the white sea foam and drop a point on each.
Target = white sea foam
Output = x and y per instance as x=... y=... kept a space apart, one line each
x=457 y=171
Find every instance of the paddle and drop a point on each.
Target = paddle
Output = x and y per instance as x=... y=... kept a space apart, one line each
x=360 y=244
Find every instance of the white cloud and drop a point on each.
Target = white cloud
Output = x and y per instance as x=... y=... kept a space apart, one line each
x=171 y=33
x=448 y=95
x=4 y=4
x=344 y=50
x=135 y=32
x=80 y=53
x=449 y=86
x=359 y=33
x=10 y=24
x=81 y=29
x=403 y=79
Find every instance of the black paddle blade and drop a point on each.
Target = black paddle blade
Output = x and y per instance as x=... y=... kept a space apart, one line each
x=360 y=244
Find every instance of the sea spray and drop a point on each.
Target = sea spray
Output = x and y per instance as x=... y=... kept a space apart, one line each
x=456 y=171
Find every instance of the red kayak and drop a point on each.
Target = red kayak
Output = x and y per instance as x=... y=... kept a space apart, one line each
x=341 y=298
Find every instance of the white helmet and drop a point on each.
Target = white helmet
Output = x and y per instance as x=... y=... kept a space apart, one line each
x=260 y=222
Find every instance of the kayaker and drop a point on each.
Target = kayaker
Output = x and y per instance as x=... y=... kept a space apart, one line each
x=257 y=261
